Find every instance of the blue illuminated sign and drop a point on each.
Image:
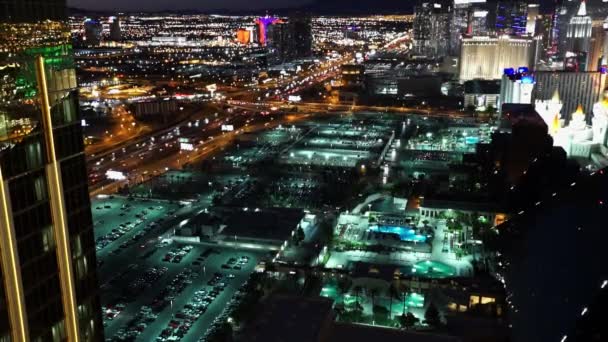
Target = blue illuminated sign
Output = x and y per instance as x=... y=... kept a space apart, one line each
x=527 y=80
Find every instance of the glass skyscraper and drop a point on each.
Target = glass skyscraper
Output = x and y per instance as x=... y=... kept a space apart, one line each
x=47 y=250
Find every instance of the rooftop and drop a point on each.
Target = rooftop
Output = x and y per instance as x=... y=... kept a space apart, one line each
x=290 y=318
x=271 y=224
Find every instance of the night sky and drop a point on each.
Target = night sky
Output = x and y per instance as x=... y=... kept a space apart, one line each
x=152 y=5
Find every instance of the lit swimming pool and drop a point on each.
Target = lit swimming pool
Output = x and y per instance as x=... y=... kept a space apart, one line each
x=433 y=269
x=404 y=233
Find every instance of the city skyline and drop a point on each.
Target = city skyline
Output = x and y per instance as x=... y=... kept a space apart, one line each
x=177 y=5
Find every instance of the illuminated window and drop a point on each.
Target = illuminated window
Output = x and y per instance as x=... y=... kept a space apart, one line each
x=81 y=267
x=452 y=306
x=473 y=300
x=58 y=332
x=40 y=188
x=486 y=300
x=462 y=308
x=33 y=155
x=48 y=240
x=76 y=247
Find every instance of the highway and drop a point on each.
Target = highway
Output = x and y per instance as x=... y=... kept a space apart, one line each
x=168 y=155
x=152 y=153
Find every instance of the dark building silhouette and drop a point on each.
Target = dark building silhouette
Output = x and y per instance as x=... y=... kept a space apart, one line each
x=47 y=250
x=290 y=40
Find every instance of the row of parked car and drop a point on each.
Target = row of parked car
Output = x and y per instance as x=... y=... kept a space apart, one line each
x=177 y=254
x=148 y=314
x=192 y=311
x=235 y=264
x=103 y=241
x=136 y=326
x=173 y=289
x=230 y=307
x=149 y=277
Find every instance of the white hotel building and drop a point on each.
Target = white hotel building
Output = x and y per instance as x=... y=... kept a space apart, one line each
x=486 y=57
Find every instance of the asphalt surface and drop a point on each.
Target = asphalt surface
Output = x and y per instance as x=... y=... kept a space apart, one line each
x=118 y=271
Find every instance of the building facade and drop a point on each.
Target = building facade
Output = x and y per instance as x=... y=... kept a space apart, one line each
x=115 y=30
x=93 y=30
x=574 y=88
x=578 y=37
x=516 y=87
x=49 y=287
x=301 y=31
x=533 y=16
x=511 y=17
x=484 y=57
x=432 y=28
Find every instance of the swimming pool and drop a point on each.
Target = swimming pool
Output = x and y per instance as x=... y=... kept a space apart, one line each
x=433 y=269
x=404 y=233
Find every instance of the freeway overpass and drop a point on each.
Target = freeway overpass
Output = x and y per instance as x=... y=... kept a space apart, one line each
x=319 y=107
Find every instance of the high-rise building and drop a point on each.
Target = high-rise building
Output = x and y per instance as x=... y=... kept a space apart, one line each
x=478 y=21
x=574 y=89
x=486 y=57
x=533 y=16
x=301 y=32
x=92 y=32
x=279 y=41
x=458 y=26
x=290 y=40
x=564 y=12
x=543 y=30
x=578 y=37
x=432 y=28
x=598 y=40
x=115 y=30
x=511 y=17
x=48 y=279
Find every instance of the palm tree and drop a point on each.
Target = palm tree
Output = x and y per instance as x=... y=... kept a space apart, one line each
x=408 y=320
x=404 y=292
x=357 y=290
x=431 y=316
x=392 y=293
x=373 y=293
x=343 y=285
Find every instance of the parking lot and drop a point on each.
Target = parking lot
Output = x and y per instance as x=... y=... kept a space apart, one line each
x=176 y=292
x=153 y=288
x=121 y=223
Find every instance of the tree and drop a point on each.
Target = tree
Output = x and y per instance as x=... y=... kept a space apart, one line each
x=431 y=316
x=404 y=297
x=344 y=285
x=222 y=334
x=373 y=293
x=408 y=320
x=380 y=313
x=392 y=294
x=490 y=109
x=357 y=291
